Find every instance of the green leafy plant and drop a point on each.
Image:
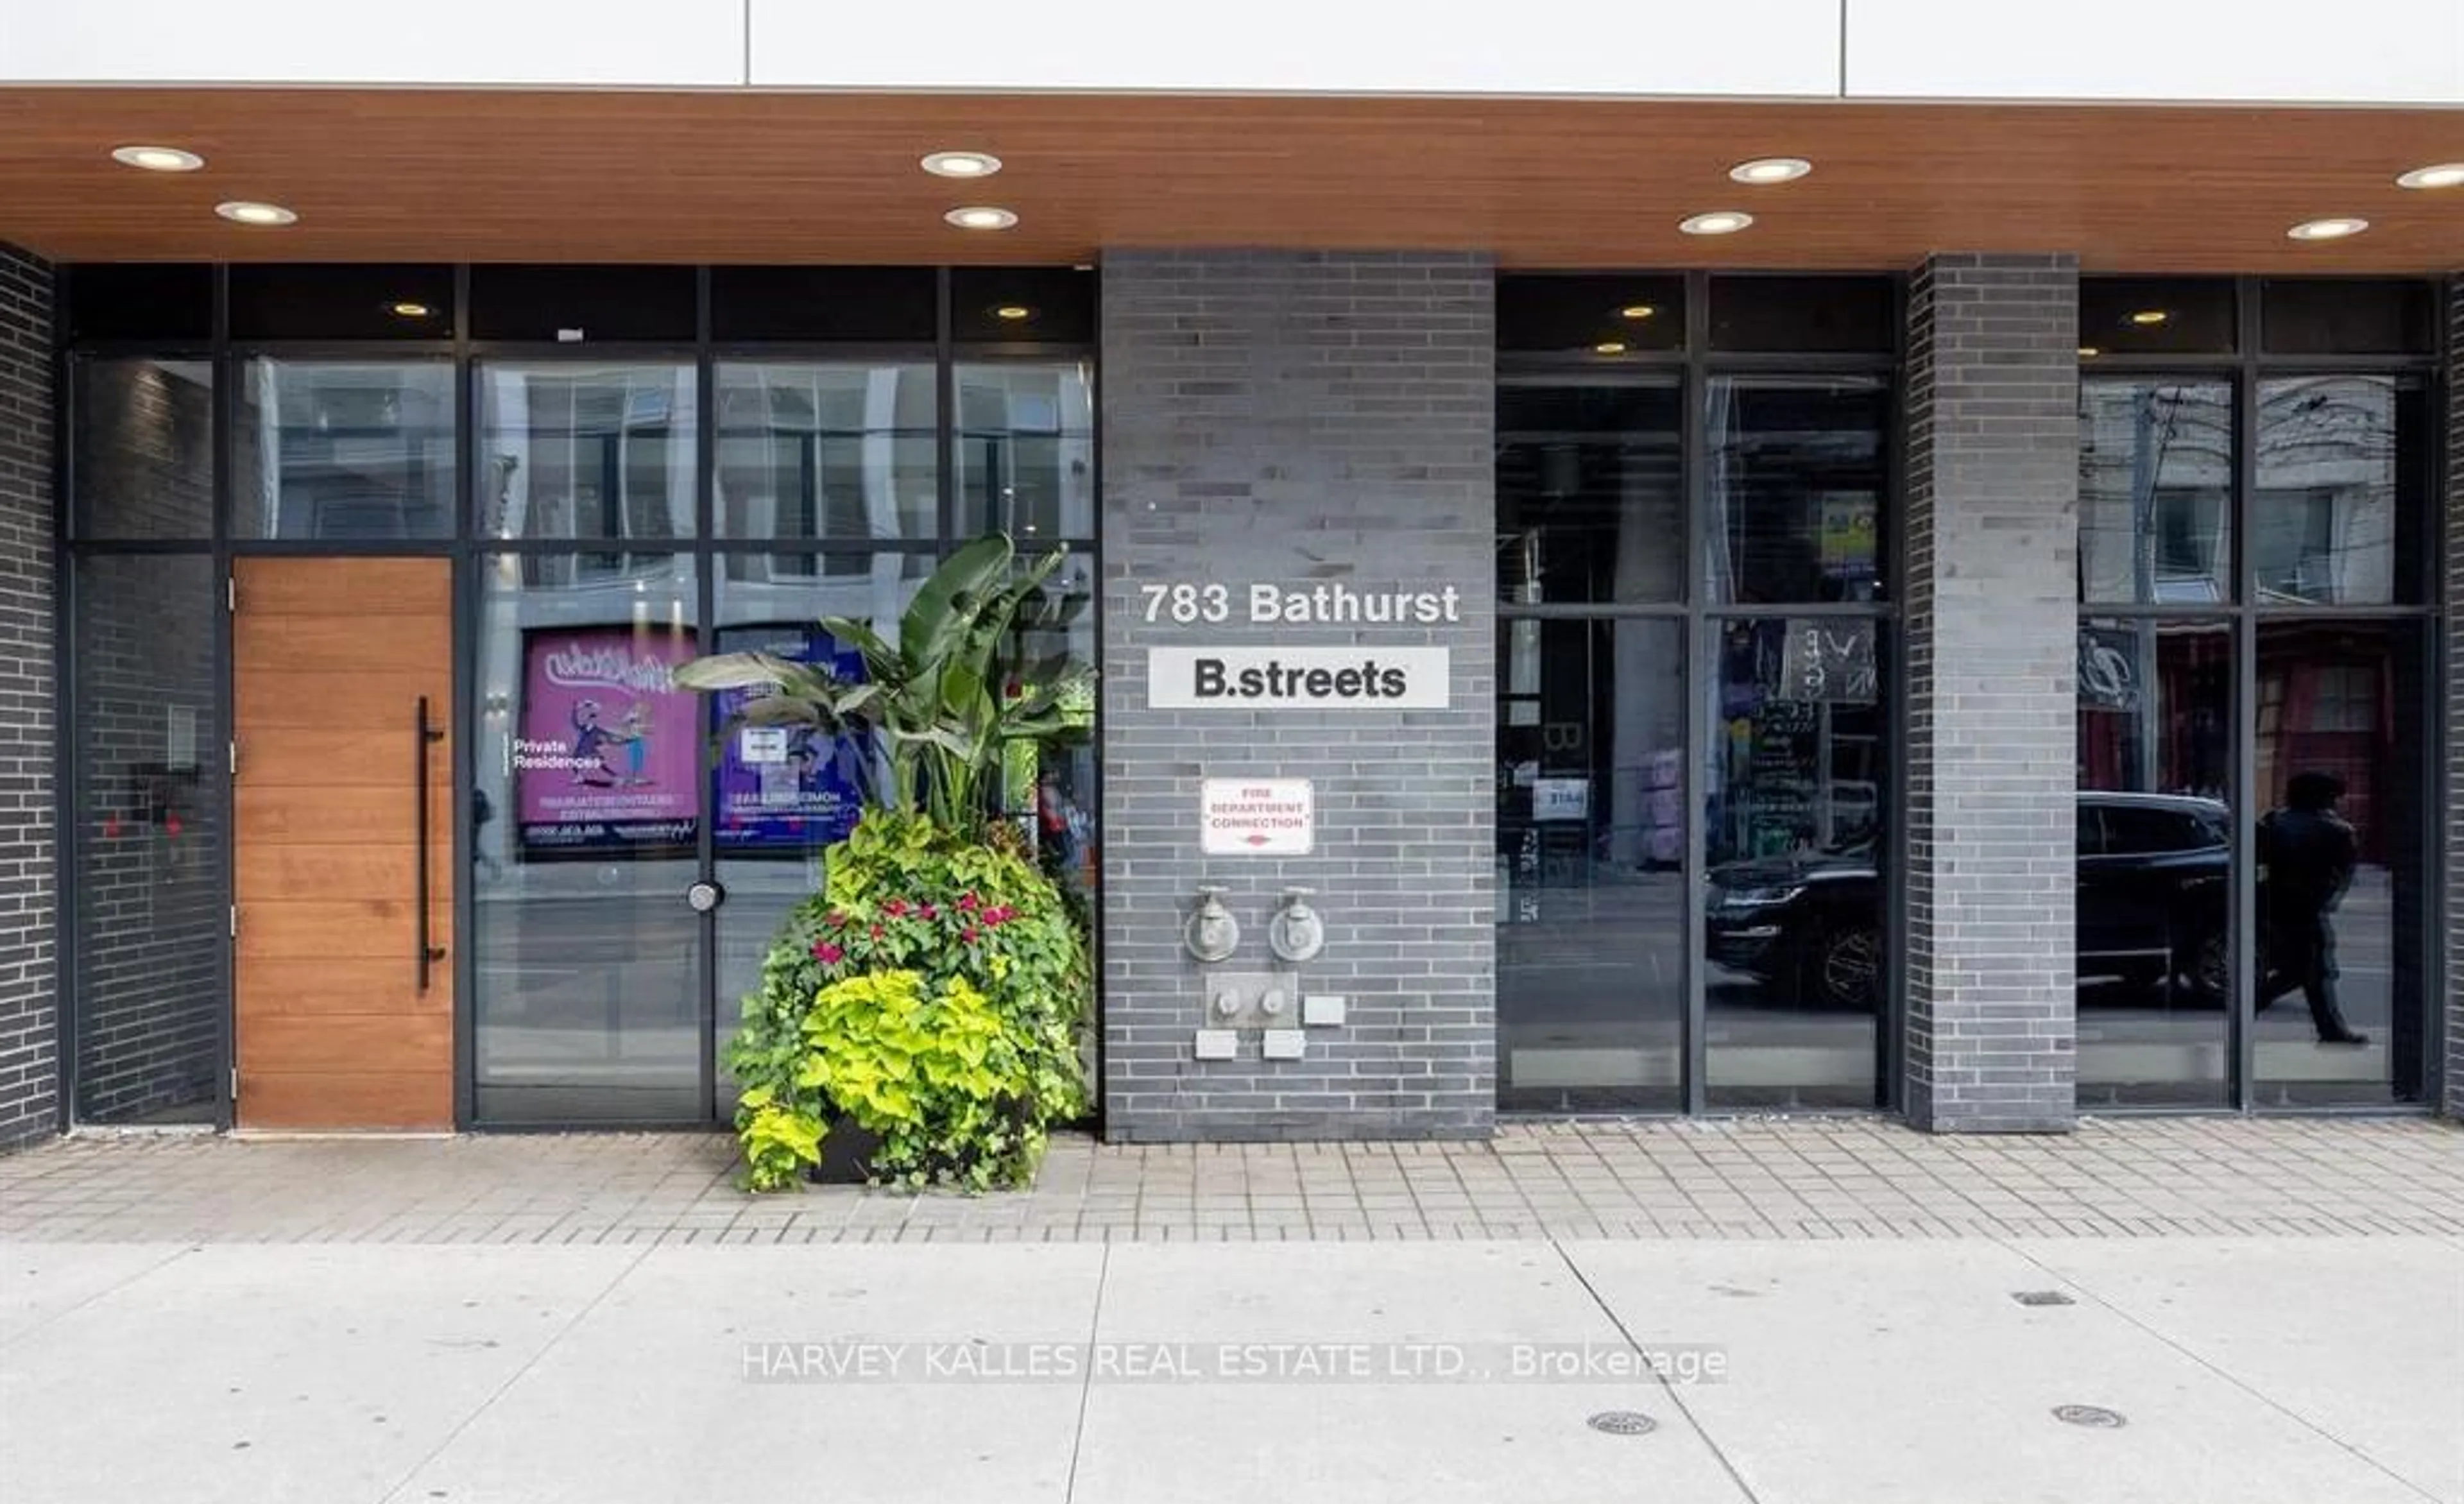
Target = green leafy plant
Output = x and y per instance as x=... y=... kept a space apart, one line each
x=939 y=1076
x=987 y=938
x=948 y=697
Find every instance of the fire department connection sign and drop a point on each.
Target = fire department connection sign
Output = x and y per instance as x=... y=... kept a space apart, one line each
x=1257 y=816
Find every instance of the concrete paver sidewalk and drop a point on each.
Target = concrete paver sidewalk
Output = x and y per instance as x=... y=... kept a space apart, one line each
x=1804 y=1178
x=538 y=1320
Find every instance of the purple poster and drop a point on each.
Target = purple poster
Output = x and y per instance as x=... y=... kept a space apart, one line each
x=607 y=750
x=786 y=788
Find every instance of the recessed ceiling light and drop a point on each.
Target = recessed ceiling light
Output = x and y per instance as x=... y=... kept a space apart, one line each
x=408 y=310
x=982 y=217
x=157 y=159
x=2336 y=228
x=1764 y=170
x=1718 y=222
x=2445 y=174
x=2089 y=352
x=1636 y=310
x=1608 y=347
x=962 y=163
x=247 y=212
x=1013 y=313
x=2149 y=317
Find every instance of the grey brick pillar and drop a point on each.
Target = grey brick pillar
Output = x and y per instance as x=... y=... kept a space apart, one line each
x=29 y=1073
x=1993 y=551
x=1302 y=419
x=2453 y=1079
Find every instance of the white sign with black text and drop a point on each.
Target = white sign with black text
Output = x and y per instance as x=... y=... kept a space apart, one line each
x=1297 y=678
x=1257 y=816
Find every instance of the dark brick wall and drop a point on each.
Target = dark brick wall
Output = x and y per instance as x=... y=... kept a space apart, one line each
x=1992 y=558
x=29 y=977
x=1301 y=417
x=2454 y=624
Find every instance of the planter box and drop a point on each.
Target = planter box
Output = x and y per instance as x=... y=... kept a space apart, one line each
x=847 y=1154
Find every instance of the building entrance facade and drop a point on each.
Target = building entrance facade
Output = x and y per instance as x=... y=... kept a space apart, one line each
x=1779 y=742
x=387 y=813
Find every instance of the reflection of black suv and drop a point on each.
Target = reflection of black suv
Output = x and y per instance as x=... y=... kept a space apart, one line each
x=2154 y=880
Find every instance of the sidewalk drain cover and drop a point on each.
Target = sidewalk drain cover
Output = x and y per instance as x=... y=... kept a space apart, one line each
x=1623 y=1422
x=2096 y=1416
x=2042 y=1298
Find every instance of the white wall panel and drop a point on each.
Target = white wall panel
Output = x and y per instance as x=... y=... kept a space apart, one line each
x=2391 y=52
x=639 y=42
x=1610 y=47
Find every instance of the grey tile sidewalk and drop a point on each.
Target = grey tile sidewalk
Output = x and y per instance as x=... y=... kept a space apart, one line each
x=1795 y=1179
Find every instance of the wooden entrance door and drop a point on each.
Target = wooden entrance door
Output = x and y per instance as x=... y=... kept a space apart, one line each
x=342 y=785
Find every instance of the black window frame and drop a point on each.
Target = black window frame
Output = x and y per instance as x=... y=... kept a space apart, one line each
x=2244 y=369
x=1691 y=364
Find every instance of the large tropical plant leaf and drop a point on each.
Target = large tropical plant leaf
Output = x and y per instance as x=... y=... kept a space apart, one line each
x=952 y=601
x=745 y=670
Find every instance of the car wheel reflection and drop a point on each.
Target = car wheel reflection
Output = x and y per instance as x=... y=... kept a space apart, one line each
x=1848 y=964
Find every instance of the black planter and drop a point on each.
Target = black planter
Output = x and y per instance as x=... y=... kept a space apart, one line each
x=846 y=1154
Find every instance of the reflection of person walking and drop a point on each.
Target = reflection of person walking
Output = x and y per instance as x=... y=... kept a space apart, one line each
x=482 y=810
x=2308 y=852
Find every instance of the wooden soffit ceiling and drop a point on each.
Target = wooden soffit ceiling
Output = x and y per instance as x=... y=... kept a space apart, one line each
x=760 y=177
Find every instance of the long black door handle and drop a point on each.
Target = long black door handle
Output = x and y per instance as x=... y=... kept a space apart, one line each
x=428 y=954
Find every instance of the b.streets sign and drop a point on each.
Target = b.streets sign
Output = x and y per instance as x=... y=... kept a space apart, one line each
x=1297 y=678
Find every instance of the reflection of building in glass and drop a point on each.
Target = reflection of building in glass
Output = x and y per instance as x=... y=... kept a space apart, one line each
x=343 y=451
x=2156 y=483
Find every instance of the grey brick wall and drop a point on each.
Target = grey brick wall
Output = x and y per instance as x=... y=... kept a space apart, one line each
x=28 y=992
x=2454 y=623
x=1992 y=558
x=1301 y=417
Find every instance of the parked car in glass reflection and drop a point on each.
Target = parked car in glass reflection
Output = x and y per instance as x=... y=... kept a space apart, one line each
x=2154 y=886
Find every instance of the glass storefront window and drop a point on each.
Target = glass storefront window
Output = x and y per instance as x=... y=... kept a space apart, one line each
x=2343 y=851
x=152 y=989
x=1592 y=318
x=840 y=450
x=347 y=452
x=1591 y=496
x=2343 y=482
x=1590 y=858
x=2157 y=315
x=777 y=801
x=590 y=451
x=1794 y=842
x=2155 y=487
x=142 y=457
x=587 y=820
x=2154 y=907
x=1797 y=481
x=1026 y=450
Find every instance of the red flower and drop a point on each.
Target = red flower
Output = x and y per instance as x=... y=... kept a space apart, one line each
x=896 y=908
x=838 y=922
x=928 y=912
x=876 y=931
x=972 y=932
x=970 y=903
x=828 y=954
